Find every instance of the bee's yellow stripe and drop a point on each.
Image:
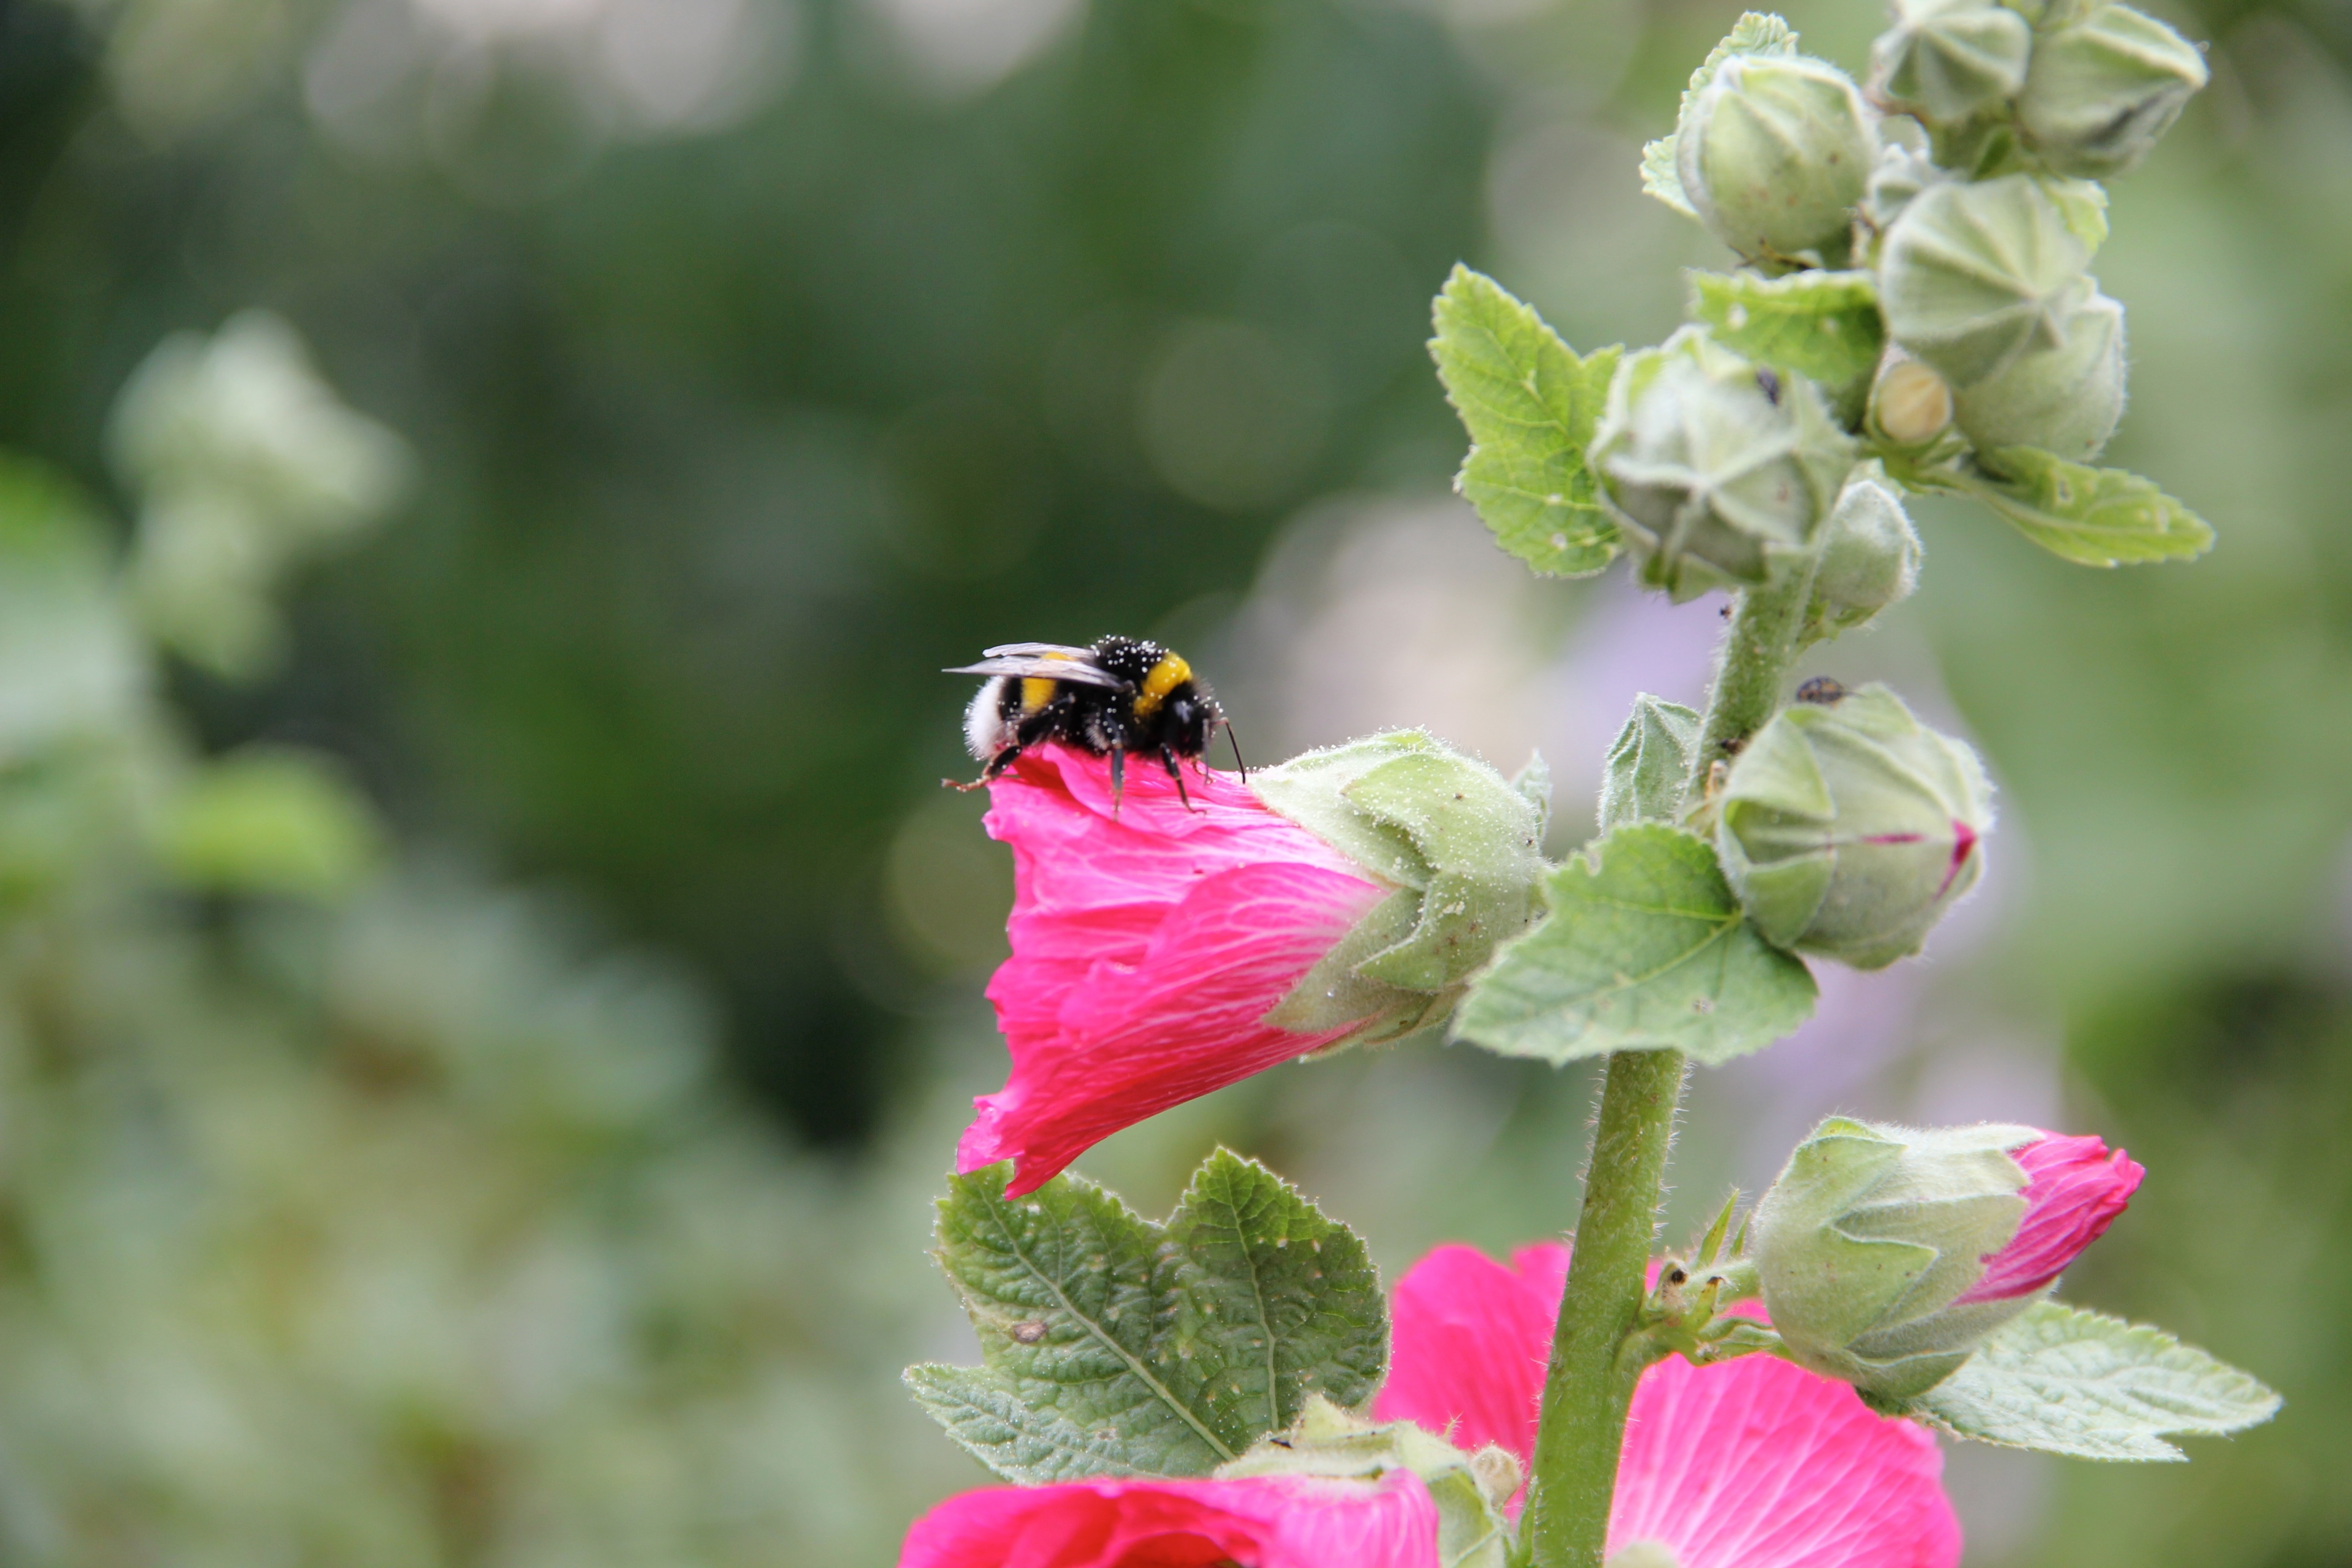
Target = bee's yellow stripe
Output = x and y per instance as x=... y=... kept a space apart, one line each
x=1035 y=692
x=1166 y=675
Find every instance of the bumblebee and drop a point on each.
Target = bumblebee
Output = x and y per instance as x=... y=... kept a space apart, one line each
x=1121 y=696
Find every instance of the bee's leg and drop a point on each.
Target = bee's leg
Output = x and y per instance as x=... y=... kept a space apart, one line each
x=1176 y=772
x=1117 y=779
x=988 y=775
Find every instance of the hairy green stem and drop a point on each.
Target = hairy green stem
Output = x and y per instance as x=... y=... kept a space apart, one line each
x=1595 y=1360
x=1757 y=652
x=1590 y=1379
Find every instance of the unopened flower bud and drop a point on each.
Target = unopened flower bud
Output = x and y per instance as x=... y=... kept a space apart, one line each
x=1848 y=828
x=1888 y=1254
x=1974 y=275
x=2103 y=90
x=1870 y=559
x=1712 y=464
x=1906 y=167
x=1945 y=60
x=2066 y=399
x=1910 y=405
x=1772 y=153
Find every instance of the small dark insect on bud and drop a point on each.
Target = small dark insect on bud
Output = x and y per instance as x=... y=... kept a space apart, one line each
x=1029 y=1333
x=1675 y=1275
x=1770 y=380
x=1822 y=690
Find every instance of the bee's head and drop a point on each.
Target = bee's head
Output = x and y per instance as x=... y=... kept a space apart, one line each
x=1192 y=717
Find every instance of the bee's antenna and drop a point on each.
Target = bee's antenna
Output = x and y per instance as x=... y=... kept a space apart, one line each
x=1236 y=742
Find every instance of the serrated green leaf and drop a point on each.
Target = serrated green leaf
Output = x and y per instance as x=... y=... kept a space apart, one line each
x=1662 y=174
x=2095 y=517
x=1756 y=33
x=1646 y=948
x=2066 y=1381
x=1823 y=326
x=1529 y=405
x=1111 y=1345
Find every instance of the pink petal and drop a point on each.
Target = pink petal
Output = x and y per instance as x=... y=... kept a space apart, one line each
x=1263 y=1521
x=1147 y=947
x=1760 y=1464
x=1469 y=1340
x=2075 y=1189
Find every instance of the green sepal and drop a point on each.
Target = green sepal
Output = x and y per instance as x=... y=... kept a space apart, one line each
x=1756 y=33
x=1470 y=1490
x=1823 y=326
x=1649 y=765
x=2093 y=517
x=1646 y=948
x=2065 y=1381
x=1112 y=1345
x=1462 y=843
x=1529 y=405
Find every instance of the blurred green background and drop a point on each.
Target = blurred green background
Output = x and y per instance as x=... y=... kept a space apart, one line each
x=488 y=981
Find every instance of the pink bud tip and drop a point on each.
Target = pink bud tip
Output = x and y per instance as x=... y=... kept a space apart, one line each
x=2075 y=1189
x=1149 y=940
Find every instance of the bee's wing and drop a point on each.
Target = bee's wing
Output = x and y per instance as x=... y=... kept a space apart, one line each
x=1026 y=665
x=1084 y=655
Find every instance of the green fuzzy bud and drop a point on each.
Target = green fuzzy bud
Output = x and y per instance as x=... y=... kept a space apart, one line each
x=1772 y=155
x=1714 y=466
x=1945 y=60
x=1868 y=1236
x=1869 y=559
x=2104 y=89
x=1975 y=275
x=1906 y=167
x=2065 y=400
x=1847 y=828
x=1910 y=405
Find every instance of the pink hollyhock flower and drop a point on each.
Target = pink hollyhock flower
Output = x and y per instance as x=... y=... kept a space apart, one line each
x=2075 y=1189
x=1753 y=1463
x=1149 y=944
x=1262 y=1521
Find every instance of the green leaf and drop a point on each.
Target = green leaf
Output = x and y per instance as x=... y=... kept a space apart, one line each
x=2096 y=517
x=1650 y=764
x=1823 y=326
x=1756 y=33
x=1645 y=950
x=270 y=819
x=1529 y=405
x=1110 y=1345
x=2070 y=1382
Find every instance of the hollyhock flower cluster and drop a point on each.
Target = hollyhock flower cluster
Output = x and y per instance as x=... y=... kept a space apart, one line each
x=1750 y=1464
x=1150 y=938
